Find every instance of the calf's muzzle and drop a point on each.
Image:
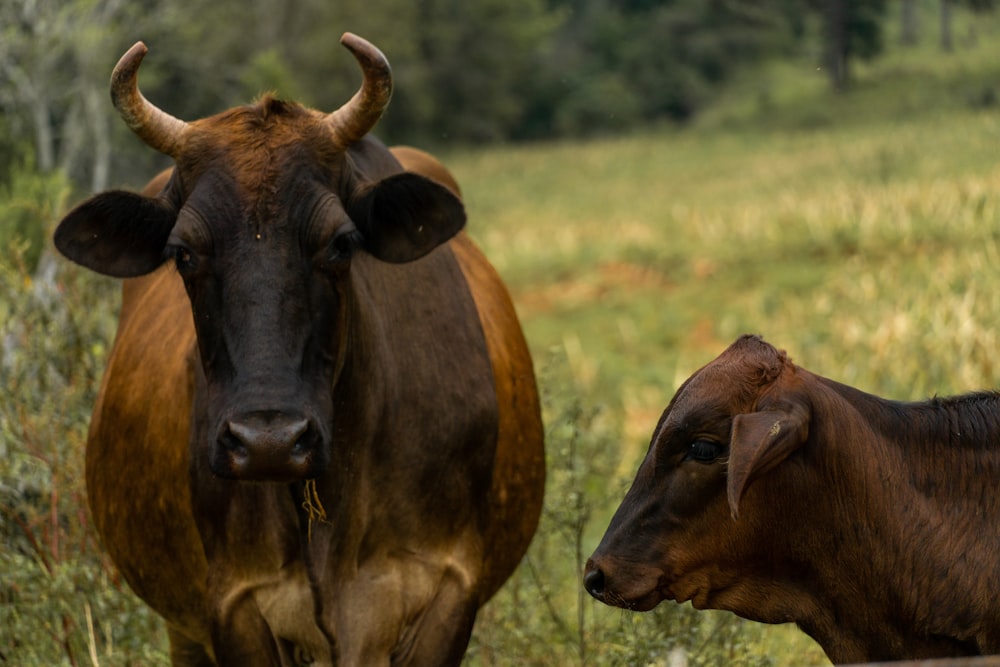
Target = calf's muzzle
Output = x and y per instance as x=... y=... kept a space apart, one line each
x=594 y=580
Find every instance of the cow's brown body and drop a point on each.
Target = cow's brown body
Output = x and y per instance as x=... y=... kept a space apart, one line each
x=786 y=497
x=255 y=553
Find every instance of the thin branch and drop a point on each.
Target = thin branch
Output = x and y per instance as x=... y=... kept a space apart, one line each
x=30 y=535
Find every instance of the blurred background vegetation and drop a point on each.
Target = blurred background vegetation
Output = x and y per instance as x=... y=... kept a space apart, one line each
x=652 y=178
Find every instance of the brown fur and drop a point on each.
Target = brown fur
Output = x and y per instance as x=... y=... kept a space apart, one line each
x=410 y=549
x=874 y=525
x=519 y=468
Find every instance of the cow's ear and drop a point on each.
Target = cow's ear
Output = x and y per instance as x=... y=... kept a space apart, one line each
x=405 y=216
x=760 y=441
x=117 y=233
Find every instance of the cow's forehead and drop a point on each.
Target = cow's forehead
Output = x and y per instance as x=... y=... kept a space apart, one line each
x=261 y=147
x=711 y=391
x=731 y=382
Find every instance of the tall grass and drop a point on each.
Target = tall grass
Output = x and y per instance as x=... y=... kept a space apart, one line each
x=868 y=250
x=858 y=233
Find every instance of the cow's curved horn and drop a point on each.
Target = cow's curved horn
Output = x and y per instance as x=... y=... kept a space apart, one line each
x=157 y=128
x=356 y=118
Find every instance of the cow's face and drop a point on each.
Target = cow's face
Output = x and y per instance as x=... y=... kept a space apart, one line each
x=680 y=533
x=266 y=210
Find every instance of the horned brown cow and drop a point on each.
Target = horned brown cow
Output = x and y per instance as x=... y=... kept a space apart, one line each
x=318 y=438
x=784 y=496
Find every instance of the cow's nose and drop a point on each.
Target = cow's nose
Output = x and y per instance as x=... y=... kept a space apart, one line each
x=593 y=581
x=267 y=446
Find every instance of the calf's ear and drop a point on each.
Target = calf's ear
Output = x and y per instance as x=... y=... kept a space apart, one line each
x=760 y=441
x=403 y=217
x=117 y=233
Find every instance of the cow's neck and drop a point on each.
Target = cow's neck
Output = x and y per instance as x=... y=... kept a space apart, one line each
x=362 y=393
x=939 y=457
x=909 y=492
x=410 y=328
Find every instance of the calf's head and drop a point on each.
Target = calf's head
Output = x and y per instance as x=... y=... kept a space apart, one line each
x=688 y=528
x=267 y=207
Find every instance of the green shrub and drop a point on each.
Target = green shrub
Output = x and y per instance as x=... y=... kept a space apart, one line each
x=61 y=601
x=28 y=201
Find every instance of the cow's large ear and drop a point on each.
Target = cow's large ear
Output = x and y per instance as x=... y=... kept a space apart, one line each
x=403 y=217
x=117 y=233
x=760 y=441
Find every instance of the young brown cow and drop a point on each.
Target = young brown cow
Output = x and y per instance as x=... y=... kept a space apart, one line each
x=784 y=496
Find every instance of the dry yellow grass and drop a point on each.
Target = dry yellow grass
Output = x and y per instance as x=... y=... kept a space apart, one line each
x=871 y=254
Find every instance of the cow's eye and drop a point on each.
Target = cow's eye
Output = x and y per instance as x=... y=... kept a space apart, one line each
x=344 y=243
x=183 y=257
x=704 y=451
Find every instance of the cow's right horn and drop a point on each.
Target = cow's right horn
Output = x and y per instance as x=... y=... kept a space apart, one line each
x=356 y=118
x=157 y=128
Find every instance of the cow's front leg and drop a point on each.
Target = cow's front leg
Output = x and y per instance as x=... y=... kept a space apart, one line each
x=440 y=633
x=241 y=635
x=186 y=652
x=414 y=609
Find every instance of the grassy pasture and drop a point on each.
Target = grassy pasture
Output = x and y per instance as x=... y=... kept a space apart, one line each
x=839 y=244
x=858 y=233
x=867 y=251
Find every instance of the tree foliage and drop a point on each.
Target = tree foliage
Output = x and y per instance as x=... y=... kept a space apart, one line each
x=54 y=65
x=479 y=72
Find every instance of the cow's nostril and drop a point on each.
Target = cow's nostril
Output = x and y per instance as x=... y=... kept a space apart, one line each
x=233 y=444
x=268 y=446
x=593 y=581
x=274 y=434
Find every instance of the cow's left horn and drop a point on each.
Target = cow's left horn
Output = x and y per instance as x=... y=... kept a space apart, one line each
x=356 y=118
x=157 y=128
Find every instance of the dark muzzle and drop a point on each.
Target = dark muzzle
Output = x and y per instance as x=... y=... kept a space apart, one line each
x=594 y=580
x=269 y=445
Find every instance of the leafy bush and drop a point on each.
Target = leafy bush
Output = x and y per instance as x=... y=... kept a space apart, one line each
x=28 y=200
x=61 y=602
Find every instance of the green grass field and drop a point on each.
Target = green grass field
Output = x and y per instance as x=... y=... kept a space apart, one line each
x=859 y=233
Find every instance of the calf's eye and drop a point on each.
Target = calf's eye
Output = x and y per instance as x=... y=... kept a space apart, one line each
x=703 y=451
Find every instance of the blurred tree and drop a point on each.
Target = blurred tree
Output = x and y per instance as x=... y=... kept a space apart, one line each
x=851 y=29
x=470 y=56
x=464 y=72
x=910 y=18
x=475 y=63
x=196 y=67
x=55 y=58
x=908 y=23
x=947 y=43
x=945 y=15
x=622 y=61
